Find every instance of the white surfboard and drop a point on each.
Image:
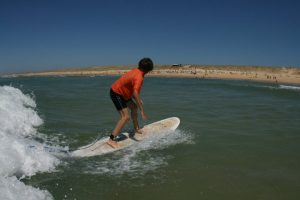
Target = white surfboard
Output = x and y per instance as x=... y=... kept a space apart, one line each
x=100 y=147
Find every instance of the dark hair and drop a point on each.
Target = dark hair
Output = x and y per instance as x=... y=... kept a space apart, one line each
x=146 y=65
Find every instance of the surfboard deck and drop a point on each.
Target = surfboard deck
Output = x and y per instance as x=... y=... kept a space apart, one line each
x=100 y=147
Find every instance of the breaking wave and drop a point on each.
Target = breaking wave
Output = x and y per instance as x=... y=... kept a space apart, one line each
x=18 y=123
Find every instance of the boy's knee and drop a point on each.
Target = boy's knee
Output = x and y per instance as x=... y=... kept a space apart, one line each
x=126 y=118
x=133 y=107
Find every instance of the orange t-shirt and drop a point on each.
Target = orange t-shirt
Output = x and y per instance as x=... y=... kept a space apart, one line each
x=128 y=83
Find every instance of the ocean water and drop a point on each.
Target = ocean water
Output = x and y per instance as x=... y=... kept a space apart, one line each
x=236 y=140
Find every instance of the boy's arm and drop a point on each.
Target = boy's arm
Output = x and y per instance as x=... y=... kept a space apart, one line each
x=138 y=100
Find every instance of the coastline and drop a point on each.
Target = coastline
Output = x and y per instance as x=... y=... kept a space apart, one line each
x=276 y=75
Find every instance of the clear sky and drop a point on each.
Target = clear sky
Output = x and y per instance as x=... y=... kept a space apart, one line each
x=52 y=34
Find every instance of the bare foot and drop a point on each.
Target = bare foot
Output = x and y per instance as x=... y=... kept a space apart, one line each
x=137 y=135
x=112 y=143
x=138 y=131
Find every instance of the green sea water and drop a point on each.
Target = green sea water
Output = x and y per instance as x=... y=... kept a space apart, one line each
x=236 y=140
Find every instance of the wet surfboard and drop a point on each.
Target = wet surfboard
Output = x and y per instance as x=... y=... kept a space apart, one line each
x=101 y=147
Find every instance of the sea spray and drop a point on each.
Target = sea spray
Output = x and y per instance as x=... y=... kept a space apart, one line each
x=18 y=121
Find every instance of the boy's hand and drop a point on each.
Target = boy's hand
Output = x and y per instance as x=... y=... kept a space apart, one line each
x=144 y=116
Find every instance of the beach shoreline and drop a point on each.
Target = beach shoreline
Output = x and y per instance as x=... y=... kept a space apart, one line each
x=276 y=75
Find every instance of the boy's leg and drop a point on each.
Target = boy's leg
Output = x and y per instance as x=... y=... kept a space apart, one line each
x=134 y=116
x=124 y=118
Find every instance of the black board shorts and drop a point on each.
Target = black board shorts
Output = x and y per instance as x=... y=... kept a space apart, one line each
x=119 y=102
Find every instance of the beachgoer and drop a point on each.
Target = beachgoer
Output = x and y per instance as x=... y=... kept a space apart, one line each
x=125 y=94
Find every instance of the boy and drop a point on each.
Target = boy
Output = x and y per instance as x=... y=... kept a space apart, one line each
x=121 y=93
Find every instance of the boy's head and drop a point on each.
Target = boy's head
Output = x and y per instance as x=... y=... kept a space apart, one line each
x=146 y=65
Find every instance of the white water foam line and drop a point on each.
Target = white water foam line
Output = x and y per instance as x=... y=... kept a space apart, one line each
x=289 y=87
x=138 y=159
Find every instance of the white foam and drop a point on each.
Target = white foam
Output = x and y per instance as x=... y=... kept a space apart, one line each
x=289 y=87
x=18 y=121
x=12 y=189
x=17 y=158
x=273 y=87
x=17 y=113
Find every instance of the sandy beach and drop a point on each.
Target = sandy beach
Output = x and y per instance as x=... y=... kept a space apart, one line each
x=279 y=75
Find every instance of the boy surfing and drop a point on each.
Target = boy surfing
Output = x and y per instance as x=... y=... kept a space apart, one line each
x=125 y=94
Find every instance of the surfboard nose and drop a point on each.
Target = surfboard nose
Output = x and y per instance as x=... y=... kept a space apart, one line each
x=172 y=122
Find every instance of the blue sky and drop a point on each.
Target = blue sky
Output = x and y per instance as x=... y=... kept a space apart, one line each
x=42 y=34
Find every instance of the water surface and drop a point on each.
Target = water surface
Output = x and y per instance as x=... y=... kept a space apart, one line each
x=236 y=140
